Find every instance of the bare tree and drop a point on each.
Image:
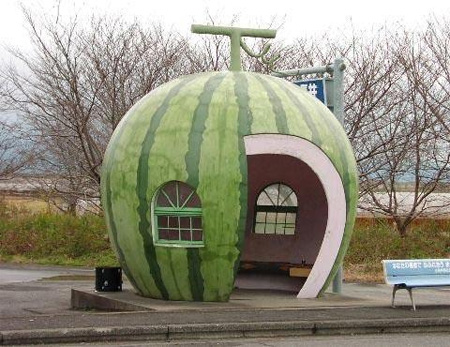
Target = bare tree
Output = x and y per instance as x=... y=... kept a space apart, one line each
x=413 y=160
x=14 y=155
x=437 y=42
x=396 y=114
x=76 y=85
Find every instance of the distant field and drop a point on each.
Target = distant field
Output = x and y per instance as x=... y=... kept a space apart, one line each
x=31 y=204
x=19 y=191
x=435 y=205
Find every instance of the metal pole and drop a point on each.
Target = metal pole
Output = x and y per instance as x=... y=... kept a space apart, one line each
x=338 y=110
x=338 y=77
x=306 y=71
x=337 y=281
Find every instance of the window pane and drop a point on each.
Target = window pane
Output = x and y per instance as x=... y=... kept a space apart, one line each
x=281 y=218
x=194 y=201
x=163 y=201
x=264 y=200
x=186 y=235
x=164 y=234
x=271 y=217
x=163 y=221
x=289 y=231
x=279 y=230
x=259 y=228
x=173 y=222
x=270 y=228
x=174 y=234
x=185 y=222
x=169 y=235
x=196 y=223
x=260 y=217
x=287 y=196
x=290 y=218
x=184 y=193
x=197 y=235
x=169 y=190
x=272 y=193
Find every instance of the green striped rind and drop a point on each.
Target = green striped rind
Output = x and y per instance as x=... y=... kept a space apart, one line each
x=192 y=130
x=181 y=145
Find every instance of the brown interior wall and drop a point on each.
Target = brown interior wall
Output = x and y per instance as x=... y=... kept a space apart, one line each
x=266 y=169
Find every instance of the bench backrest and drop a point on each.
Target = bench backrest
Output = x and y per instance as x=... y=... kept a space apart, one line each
x=416 y=267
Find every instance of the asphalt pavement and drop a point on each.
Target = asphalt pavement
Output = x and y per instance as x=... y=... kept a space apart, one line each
x=36 y=307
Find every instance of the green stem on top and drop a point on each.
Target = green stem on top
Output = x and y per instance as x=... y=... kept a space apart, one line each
x=235 y=35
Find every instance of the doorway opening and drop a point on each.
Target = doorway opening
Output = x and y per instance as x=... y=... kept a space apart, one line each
x=286 y=223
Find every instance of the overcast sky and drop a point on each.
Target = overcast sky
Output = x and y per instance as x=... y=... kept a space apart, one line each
x=300 y=17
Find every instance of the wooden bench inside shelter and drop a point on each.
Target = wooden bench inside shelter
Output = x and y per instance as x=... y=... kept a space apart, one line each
x=293 y=270
x=416 y=273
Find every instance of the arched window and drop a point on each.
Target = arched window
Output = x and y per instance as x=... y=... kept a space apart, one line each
x=276 y=210
x=177 y=216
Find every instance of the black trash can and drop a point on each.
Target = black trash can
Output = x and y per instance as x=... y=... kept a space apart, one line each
x=108 y=279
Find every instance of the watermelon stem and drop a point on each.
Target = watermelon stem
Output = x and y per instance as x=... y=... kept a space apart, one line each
x=235 y=34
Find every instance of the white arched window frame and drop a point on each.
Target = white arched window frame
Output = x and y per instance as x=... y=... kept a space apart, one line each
x=276 y=210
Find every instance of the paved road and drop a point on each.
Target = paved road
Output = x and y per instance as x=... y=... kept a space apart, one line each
x=18 y=274
x=24 y=294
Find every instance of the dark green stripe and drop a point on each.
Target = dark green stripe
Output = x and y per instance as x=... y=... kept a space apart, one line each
x=192 y=168
x=195 y=275
x=142 y=186
x=112 y=224
x=315 y=137
x=198 y=128
x=277 y=106
x=245 y=119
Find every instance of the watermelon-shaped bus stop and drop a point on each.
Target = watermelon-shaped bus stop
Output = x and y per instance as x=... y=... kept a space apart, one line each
x=221 y=173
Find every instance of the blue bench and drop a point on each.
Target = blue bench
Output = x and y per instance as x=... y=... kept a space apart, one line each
x=416 y=273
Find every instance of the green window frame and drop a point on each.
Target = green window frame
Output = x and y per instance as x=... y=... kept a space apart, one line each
x=276 y=210
x=177 y=216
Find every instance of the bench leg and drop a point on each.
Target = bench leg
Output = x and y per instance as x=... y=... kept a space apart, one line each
x=397 y=287
x=394 y=290
x=411 y=297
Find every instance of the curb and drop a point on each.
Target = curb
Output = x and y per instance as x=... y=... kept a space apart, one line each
x=81 y=300
x=223 y=330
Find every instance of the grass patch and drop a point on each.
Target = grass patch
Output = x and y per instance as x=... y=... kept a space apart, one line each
x=51 y=238
x=374 y=240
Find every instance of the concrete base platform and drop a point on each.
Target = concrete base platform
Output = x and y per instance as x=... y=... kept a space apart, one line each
x=355 y=295
x=244 y=299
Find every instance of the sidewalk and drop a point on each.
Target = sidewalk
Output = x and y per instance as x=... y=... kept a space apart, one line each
x=39 y=312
